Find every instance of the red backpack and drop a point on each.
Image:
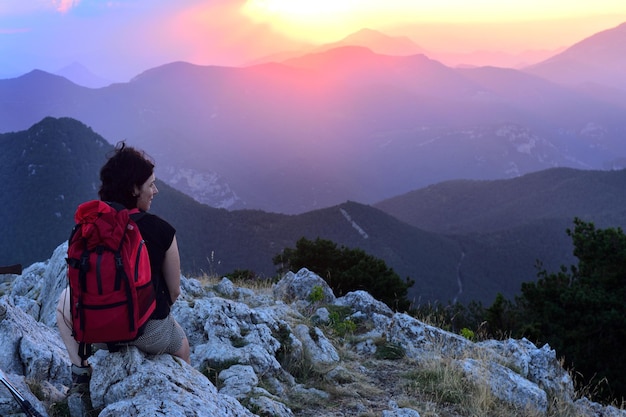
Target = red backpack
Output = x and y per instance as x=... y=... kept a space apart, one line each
x=112 y=295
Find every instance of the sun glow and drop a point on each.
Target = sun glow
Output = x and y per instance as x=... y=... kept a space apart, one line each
x=300 y=9
x=328 y=20
x=311 y=20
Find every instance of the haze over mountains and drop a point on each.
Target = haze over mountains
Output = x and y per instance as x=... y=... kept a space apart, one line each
x=383 y=44
x=342 y=124
x=459 y=240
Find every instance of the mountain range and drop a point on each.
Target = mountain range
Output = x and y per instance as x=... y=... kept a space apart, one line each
x=589 y=61
x=459 y=240
x=347 y=123
x=384 y=44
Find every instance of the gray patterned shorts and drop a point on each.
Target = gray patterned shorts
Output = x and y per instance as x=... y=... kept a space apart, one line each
x=160 y=336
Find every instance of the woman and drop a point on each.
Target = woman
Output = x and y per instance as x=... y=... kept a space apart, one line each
x=128 y=178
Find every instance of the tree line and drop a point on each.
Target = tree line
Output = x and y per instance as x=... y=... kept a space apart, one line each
x=579 y=311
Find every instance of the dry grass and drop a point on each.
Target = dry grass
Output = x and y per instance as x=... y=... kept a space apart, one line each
x=440 y=383
x=258 y=285
x=435 y=386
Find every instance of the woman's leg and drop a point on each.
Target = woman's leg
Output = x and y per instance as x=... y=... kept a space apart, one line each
x=184 y=351
x=64 y=323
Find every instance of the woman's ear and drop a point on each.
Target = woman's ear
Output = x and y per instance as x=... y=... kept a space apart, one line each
x=135 y=191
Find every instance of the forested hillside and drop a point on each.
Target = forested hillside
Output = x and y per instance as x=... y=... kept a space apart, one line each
x=469 y=240
x=65 y=156
x=470 y=206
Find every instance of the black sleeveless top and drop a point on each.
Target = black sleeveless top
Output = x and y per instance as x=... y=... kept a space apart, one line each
x=158 y=235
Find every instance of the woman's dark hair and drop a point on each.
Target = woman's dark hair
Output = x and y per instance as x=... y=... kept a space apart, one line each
x=125 y=169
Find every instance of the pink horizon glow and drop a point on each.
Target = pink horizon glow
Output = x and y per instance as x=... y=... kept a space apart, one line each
x=120 y=39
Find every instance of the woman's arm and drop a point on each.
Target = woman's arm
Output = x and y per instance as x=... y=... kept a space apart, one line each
x=171 y=270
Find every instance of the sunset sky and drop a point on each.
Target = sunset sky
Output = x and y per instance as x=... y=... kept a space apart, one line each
x=119 y=39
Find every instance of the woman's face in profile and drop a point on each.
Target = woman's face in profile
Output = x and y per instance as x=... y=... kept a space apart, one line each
x=146 y=193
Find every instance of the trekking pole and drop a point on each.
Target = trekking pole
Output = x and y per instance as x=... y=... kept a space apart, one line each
x=11 y=269
x=27 y=407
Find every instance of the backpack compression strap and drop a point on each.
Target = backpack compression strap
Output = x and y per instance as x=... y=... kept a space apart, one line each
x=84 y=350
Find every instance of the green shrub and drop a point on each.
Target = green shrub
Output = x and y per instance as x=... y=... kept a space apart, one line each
x=347 y=270
x=468 y=334
x=317 y=294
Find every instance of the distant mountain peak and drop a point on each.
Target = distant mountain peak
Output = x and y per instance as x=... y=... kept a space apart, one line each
x=366 y=34
x=621 y=26
x=40 y=77
x=36 y=73
x=605 y=37
x=81 y=75
x=378 y=42
x=599 y=58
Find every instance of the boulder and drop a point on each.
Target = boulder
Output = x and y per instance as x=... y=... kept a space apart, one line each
x=299 y=287
x=128 y=383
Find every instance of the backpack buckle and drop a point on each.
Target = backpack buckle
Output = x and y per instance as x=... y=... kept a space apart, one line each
x=84 y=262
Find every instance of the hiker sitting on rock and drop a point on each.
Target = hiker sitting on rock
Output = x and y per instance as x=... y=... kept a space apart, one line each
x=128 y=179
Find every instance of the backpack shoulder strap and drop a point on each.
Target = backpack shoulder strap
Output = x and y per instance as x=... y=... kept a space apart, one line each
x=115 y=205
x=137 y=214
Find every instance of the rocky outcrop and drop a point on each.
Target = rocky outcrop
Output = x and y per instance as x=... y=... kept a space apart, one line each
x=128 y=383
x=268 y=351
